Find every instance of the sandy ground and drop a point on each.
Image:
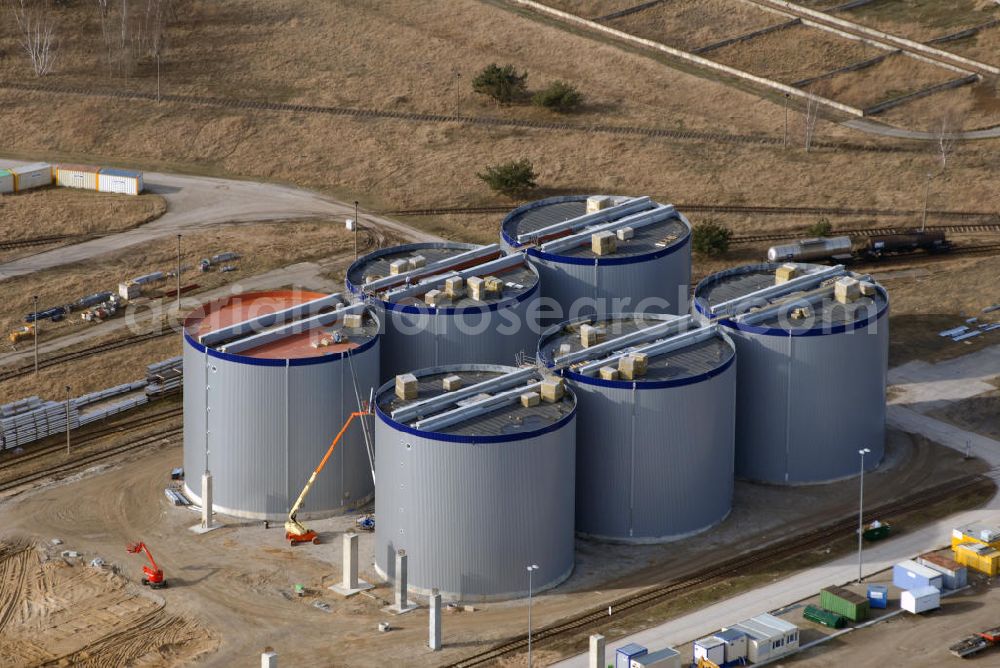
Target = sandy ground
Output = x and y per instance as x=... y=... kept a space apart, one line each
x=236 y=583
x=55 y=211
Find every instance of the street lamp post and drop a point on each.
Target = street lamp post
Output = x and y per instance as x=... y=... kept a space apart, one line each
x=356 y=221
x=178 y=275
x=34 y=330
x=861 y=508
x=68 y=389
x=531 y=569
x=927 y=192
x=784 y=141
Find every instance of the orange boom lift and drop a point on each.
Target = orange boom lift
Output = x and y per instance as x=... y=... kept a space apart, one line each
x=295 y=532
x=151 y=575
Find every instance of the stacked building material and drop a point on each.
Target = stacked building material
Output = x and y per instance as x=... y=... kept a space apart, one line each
x=34 y=420
x=164 y=377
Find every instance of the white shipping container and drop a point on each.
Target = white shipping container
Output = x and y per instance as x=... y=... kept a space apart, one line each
x=35 y=175
x=664 y=658
x=710 y=648
x=76 y=176
x=120 y=181
x=6 y=181
x=920 y=600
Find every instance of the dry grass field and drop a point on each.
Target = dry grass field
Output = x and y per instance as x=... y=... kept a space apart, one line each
x=263 y=247
x=794 y=54
x=923 y=20
x=895 y=76
x=690 y=24
x=58 y=211
x=592 y=9
x=984 y=46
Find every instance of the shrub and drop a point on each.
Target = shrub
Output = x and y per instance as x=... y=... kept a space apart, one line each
x=710 y=239
x=503 y=84
x=511 y=178
x=822 y=228
x=558 y=96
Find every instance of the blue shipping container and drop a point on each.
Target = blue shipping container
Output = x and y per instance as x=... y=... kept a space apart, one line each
x=624 y=655
x=911 y=575
x=878 y=596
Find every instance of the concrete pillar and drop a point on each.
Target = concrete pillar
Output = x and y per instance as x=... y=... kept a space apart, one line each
x=596 y=659
x=434 y=641
x=206 y=500
x=350 y=581
x=402 y=604
x=401 y=580
x=269 y=659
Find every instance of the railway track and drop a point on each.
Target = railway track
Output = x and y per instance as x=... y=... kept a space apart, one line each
x=86 y=460
x=760 y=557
x=735 y=208
x=9 y=462
x=868 y=232
x=485 y=121
x=81 y=354
x=34 y=241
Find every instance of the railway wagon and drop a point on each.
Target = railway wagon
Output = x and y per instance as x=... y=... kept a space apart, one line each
x=931 y=241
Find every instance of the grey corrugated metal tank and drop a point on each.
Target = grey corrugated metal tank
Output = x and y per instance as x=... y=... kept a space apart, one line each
x=274 y=411
x=474 y=503
x=492 y=330
x=649 y=271
x=812 y=372
x=654 y=454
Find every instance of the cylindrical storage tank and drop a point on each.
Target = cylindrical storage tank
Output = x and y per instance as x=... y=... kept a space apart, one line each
x=475 y=502
x=812 y=370
x=643 y=266
x=426 y=326
x=283 y=372
x=810 y=249
x=655 y=447
x=76 y=176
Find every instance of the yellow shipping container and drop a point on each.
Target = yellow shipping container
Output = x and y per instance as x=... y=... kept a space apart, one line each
x=980 y=558
x=976 y=535
x=76 y=176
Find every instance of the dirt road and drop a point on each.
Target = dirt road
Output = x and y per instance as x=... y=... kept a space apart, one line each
x=200 y=201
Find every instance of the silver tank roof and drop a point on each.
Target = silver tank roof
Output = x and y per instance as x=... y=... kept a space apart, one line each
x=504 y=420
x=696 y=359
x=730 y=295
x=519 y=278
x=647 y=240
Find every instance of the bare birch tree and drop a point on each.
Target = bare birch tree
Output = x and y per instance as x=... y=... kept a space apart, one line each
x=947 y=131
x=36 y=25
x=810 y=119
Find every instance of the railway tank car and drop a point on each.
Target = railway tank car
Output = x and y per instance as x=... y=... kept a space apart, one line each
x=931 y=241
x=810 y=249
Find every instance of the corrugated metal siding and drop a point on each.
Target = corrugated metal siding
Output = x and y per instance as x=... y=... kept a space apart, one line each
x=806 y=423
x=471 y=517
x=122 y=183
x=258 y=471
x=421 y=340
x=6 y=181
x=655 y=464
x=76 y=177
x=581 y=290
x=36 y=175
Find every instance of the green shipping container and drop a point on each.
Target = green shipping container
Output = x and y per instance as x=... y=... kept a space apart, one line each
x=828 y=619
x=844 y=602
x=878 y=533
